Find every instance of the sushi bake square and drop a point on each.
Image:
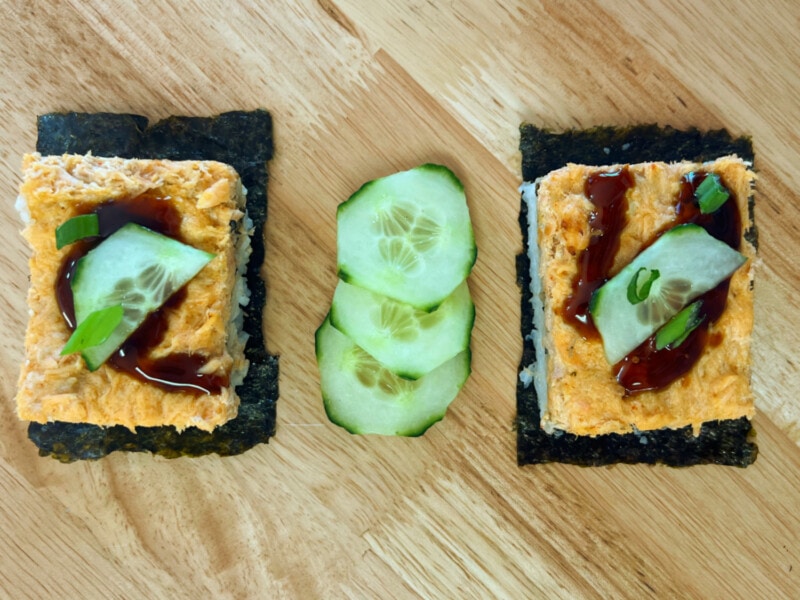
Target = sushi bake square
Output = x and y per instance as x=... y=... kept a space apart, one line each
x=573 y=403
x=207 y=202
x=579 y=392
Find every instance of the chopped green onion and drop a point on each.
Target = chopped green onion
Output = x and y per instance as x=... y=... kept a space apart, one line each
x=77 y=228
x=711 y=194
x=638 y=292
x=94 y=329
x=678 y=328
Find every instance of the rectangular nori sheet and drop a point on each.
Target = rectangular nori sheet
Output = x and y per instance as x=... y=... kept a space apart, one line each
x=244 y=141
x=727 y=442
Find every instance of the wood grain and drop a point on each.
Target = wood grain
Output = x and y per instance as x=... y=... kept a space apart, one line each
x=358 y=90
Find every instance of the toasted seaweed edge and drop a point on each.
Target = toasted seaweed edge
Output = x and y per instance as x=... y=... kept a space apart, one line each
x=179 y=138
x=727 y=442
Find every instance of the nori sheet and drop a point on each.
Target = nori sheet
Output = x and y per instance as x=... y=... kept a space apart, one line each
x=244 y=141
x=728 y=442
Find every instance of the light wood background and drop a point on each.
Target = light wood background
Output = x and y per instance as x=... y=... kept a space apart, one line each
x=358 y=90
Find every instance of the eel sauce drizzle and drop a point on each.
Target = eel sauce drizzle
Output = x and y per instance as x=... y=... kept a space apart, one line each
x=607 y=192
x=647 y=368
x=177 y=372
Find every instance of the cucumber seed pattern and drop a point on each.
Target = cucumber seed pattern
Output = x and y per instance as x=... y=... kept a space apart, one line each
x=156 y=278
x=407 y=234
x=126 y=293
x=665 y=301
x=154 y=281
x=372 y=374
x=402 y=322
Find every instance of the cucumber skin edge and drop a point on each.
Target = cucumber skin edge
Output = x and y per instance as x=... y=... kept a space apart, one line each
x=416 y=432
x=428 y=167
x=347 y=278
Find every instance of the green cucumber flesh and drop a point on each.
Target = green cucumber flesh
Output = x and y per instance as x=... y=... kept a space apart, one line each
x=364 y=397
x=690 y=262
x=408 y=341
x=407 y=236
x=137 y=268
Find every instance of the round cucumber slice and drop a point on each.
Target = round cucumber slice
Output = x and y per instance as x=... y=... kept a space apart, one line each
x=689 y=262
x=408 y=341
x=363 y=396
x=407 y=236
x=134 y=267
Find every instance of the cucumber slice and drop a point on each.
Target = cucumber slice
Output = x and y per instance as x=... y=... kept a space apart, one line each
x=689 y=262
x=137 y=268
x=408 y=341
x=363 y=396
x=407 y=236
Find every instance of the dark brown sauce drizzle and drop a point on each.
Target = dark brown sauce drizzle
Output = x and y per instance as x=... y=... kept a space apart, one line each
x=647 y=368
x=175 y=372
x=607 y=192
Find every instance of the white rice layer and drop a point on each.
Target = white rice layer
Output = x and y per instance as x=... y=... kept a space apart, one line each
x=237 y=337
x=536 y=372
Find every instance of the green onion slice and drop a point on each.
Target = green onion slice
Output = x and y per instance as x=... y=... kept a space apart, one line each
x=94 y=329
x=639 y=287
x=711 y=194
x=678 y=328
x=77 y=228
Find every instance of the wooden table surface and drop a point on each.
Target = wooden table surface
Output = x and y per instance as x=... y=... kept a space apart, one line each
x=358 y=90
